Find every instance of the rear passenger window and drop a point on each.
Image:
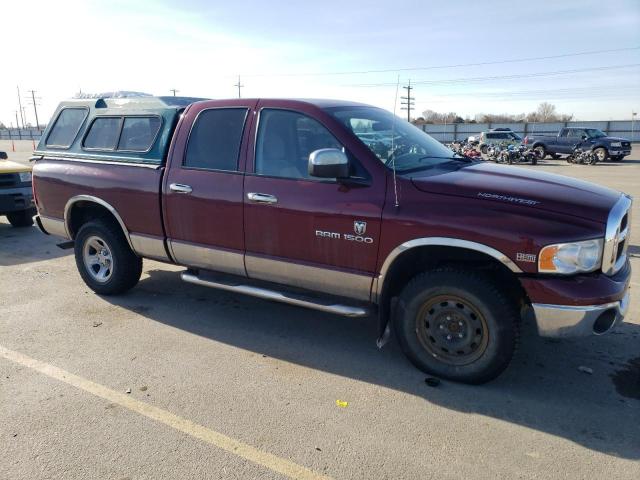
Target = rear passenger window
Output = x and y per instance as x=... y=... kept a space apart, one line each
x=66 y=128
x=103 y=133
x=214 y=142
x=138 y=133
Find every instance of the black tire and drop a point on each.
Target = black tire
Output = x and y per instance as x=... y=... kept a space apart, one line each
x=534 y=160
x=540 y=151
x=23 y=218
x=601 y=153
x=483 y=149
x=124 y=268
x=488 y=325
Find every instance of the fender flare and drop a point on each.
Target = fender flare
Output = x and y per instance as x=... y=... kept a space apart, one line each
x=90 y=198
x=384 y=330
x=440 y=242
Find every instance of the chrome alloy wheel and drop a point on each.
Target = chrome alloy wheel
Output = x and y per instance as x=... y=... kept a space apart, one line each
x=452 y=330
x=98 y=259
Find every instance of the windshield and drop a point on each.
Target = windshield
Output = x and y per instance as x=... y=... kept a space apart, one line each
x=392 y=139
x=595 y=133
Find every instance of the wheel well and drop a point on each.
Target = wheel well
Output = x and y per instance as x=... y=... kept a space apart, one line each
x=83 y=211
x=420 y=259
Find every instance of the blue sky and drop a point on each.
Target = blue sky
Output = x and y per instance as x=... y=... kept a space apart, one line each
x=199 y=47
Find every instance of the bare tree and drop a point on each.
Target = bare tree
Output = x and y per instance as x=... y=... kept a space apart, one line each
x=547 y=112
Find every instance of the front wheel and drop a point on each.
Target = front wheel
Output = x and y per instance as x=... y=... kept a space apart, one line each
x=458 y=325
x=23 y=218
x=601 y=154
x=104 y=259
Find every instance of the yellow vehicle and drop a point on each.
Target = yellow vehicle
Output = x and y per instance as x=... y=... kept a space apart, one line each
x=16 y=196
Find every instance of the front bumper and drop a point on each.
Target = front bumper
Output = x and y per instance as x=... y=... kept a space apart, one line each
x=619 y=152
x=579 y=321
x=15 y=199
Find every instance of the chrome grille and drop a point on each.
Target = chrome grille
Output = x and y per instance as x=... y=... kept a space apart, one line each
x=617 y=236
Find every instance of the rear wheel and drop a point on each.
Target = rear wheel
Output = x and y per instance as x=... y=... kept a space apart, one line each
x=104 y=259
x=540 y=151
x=458 y=325
x=23 y=218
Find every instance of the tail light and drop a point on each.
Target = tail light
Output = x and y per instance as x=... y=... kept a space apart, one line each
x=33 y=190
x=526 y=140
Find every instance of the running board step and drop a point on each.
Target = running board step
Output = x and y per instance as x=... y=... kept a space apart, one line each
x=278 y=296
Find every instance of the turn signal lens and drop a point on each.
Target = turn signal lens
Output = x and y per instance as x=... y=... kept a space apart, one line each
x=545 y=260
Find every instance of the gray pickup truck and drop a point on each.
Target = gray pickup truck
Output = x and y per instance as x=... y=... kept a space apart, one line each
x=604 y=146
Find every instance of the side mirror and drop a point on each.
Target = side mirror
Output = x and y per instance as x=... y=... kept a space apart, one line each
x=328 y=163
x=3 y=155
x=584 y=137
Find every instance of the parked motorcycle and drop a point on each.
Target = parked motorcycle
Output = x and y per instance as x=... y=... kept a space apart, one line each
x=582 y=156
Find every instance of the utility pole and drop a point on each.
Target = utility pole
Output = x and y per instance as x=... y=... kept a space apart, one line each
x=633 y=117
x=20 y=106
x=174 y=91
x=409 y=101
x=17 y=123
x=239 y=85
x=35 y=107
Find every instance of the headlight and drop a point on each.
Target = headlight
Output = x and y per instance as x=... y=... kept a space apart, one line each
x=616 y=144
x=25 y=177
x=572 y=257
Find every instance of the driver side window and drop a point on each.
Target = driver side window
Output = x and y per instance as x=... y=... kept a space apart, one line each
x=285 y=140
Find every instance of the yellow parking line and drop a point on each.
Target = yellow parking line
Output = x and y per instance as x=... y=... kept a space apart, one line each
x=268 y=460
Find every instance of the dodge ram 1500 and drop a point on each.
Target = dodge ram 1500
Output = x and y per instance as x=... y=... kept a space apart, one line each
x=340 y=207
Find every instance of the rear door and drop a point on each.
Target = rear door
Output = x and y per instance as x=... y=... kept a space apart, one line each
x=573 y=138
x=203 y=206
x=303 y=231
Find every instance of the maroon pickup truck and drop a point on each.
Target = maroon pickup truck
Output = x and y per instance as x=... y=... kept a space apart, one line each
x=340 y=207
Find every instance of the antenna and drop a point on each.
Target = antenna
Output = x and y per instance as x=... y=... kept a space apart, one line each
x=393 y=136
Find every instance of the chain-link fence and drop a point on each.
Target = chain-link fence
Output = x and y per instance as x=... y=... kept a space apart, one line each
x=20 y=134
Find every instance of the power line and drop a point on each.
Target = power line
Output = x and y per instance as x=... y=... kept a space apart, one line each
x=500 y=77
x=434 y=67
x=595 y=90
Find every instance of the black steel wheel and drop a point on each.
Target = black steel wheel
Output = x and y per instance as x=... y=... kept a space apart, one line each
x=457 y=324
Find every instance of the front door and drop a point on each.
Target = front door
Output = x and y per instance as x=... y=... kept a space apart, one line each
x=303 y=231
x=203 y=204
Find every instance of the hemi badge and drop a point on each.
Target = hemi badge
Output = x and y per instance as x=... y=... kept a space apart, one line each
x=526 y=257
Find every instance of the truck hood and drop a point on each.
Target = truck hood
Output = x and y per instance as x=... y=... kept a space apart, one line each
x=613 y=139
x=522 y=188
x=7 y=166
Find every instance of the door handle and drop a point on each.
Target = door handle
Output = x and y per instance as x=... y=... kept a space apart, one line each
x=180 y=188
x=261 y=198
